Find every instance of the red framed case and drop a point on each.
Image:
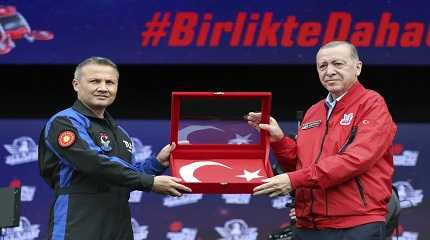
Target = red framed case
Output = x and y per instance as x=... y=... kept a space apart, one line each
x=222 y=168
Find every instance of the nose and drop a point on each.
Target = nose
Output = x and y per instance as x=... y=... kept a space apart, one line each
x=330 y=70
x=102 y=87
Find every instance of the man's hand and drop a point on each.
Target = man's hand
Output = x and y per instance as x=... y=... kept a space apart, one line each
x=164 y=155
x=274 y=186
x=169 y=186
x=275 y=132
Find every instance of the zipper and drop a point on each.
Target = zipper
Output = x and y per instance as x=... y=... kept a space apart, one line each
x=361 y=191
x=316 y=161
x=357 y=179
x=349 y=140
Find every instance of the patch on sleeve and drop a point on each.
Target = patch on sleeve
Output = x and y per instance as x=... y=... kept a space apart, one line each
x=66 y=138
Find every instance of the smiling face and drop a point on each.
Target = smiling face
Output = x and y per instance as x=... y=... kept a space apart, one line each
x=96 y=86
x=337 y=68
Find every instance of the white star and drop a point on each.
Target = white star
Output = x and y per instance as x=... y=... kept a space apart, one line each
x=240 y=139
x=250 y=175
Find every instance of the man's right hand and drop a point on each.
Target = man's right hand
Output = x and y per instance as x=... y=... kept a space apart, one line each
x=169 y=186
x=275 y=132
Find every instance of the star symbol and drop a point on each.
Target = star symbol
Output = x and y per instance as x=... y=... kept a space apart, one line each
x=240 y=139
x=250 y=175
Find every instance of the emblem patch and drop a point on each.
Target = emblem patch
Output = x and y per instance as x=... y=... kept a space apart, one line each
x=66 y=138
x=311 y=124
x=347 y=119
x=105 y=142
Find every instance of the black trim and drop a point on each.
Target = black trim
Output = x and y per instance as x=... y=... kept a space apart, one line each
x=361 y=191
x=349 y=140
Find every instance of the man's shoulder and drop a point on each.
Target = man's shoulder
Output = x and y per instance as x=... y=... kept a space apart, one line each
x=372 y=96
x=317 y=106
x=68 y=114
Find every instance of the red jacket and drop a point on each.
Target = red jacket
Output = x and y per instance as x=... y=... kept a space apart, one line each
x=343 y=165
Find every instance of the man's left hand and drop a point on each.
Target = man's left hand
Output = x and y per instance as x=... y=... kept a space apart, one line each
x=274 y=186
x=164 y=155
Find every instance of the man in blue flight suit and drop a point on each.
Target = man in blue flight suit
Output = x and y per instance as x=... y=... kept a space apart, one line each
x=86 y=158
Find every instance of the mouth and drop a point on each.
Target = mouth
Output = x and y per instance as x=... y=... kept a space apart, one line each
x=102 y=96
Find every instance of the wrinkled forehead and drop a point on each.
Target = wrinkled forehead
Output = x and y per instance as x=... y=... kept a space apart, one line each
x=339 y=52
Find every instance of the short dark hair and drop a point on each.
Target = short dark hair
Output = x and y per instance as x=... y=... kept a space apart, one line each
x=354 y=52
x=97 y=61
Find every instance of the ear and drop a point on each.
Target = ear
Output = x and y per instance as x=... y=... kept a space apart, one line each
x=75 y=84
x=358 y=67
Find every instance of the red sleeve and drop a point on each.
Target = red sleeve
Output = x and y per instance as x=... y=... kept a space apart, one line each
x=285 y=152
x=374 y=136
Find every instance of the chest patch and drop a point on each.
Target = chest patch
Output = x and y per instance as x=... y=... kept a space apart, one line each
x=347 y=119
x=311 y=124
x=128 y=145
x=105 y=142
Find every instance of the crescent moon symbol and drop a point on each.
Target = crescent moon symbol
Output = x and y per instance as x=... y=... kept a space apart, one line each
x=187 y=171
x=183 y=133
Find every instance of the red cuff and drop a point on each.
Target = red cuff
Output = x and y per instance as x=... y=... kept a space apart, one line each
x=297 y=178
x=285 y=141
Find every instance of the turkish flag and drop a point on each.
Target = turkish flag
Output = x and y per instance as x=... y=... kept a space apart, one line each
x=221 y=170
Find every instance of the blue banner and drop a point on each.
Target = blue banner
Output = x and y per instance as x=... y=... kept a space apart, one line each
x=225 y=216
x=212 y=32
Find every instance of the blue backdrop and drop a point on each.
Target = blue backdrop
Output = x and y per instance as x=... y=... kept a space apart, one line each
x=197 y=216
x=195 y=31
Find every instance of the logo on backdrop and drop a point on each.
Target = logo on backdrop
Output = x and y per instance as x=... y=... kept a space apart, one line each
x=25 y=231
x=27 y=193
x=141 y=152
x=408 y=196
x=139 y=231
x=13 y=27
x=237 y=229
x=401 y=157
x=135 y=196
x=22 y=150
x=237 y=198
x=404 y=235
x=184 y=234
x=281 y=202
x=185 y=199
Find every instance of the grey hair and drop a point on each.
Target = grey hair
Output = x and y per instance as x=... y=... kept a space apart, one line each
x=354 y=52
x=97 y=61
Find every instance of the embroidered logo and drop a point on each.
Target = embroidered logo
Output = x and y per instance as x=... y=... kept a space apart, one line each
x=347 y=119
x=311 y=124
x=66 y=139
x=128 y=145
x=22 y=150
x=104 y=140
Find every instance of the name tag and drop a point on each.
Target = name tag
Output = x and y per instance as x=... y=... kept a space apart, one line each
x=311 y=124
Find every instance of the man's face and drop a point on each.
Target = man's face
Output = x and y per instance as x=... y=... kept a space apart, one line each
x=337 y=70
x=97 y=86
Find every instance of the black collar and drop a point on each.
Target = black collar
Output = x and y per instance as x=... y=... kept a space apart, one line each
x=81 y=108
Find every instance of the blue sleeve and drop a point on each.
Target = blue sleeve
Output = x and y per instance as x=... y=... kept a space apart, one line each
x=150 y=166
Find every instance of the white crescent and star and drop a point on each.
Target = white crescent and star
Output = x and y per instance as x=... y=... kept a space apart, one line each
x=187 y=171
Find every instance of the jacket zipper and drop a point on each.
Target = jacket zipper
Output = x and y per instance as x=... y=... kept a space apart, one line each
x=357 y=179
x=316 y=161
x=361 y=191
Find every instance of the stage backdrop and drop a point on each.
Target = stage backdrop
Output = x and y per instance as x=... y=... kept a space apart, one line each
x=197 y=216
x=204 y=31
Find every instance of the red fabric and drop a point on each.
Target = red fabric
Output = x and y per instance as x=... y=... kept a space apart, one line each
x=327 y=181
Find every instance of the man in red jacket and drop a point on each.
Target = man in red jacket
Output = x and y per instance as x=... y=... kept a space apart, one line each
x=340 y=165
